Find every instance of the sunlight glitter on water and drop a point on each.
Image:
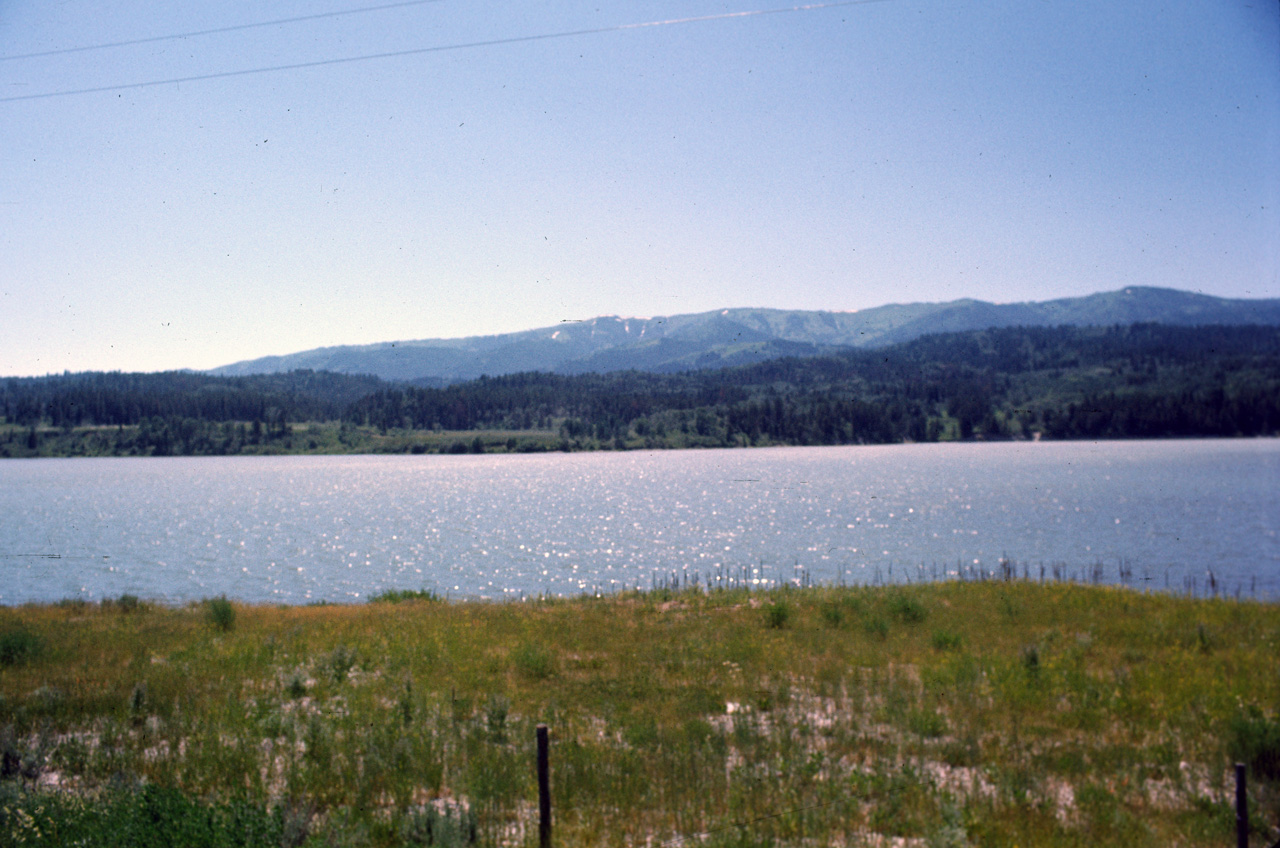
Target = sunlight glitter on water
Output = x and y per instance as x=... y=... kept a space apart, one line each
x=296 y=529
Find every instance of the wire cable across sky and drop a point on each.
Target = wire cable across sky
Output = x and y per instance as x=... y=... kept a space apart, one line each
x=417 y=51
x=217 y=30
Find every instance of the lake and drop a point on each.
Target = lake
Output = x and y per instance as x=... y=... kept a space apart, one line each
x=300 y=529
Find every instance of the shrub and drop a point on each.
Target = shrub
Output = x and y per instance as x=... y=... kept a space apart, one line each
x=19 y=646
x=1008 y=608
x=906 y=608
x=138 y=703
x=151 y=815
x=10 y=756
x=966 y=751
x=221 y=614
x=926 y=723
x=128 y=603
x=1204 y=640
x=341 y=660
x=945 y=640
x=877 y=628
x=777 y=614
x=1254 y=739
x=297 y=686
x=640 y=731
x=1031 y=659
x=534 y=661
x=406 y=701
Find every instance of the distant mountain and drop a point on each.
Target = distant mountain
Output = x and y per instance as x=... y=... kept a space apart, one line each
x=743 y=336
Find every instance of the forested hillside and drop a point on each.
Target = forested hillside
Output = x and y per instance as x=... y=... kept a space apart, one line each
x=1064 y=382
x=741 y=336
x=174 y=412
x=113 y=398
x=1144 y=380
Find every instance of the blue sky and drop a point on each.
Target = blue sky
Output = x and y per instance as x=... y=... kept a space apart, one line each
x=828 y=158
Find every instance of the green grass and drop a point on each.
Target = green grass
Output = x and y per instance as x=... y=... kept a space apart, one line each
x=951 y=714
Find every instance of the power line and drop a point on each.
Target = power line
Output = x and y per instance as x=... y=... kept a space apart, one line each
x=417 y=51
x=216 y=31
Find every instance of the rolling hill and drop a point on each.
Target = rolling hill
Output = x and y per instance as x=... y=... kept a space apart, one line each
x=743 y=336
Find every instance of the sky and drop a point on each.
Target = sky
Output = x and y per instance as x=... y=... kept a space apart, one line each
x=232 y=180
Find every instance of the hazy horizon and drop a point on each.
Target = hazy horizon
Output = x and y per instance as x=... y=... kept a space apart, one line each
x=393 y=342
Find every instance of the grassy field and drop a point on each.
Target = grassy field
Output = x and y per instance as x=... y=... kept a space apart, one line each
x=951 y=714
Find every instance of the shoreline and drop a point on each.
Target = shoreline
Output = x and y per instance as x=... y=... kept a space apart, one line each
x=330 y=439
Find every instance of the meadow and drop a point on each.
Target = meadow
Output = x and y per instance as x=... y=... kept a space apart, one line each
x=941 y=714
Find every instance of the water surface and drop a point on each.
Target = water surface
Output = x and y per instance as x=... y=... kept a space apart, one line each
x=301 y=529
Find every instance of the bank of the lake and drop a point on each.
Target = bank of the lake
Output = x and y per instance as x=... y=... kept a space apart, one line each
x=239 y=438
x=991 y=713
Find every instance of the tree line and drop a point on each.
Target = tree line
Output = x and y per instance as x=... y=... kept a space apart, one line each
x=118 y=399
x=1141 y=380
x=1144 y=380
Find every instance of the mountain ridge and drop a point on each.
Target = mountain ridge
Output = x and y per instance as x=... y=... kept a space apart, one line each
x=743 y=335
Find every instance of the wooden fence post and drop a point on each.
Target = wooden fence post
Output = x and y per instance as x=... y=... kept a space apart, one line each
x=1242 y=809
x=544 y=790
